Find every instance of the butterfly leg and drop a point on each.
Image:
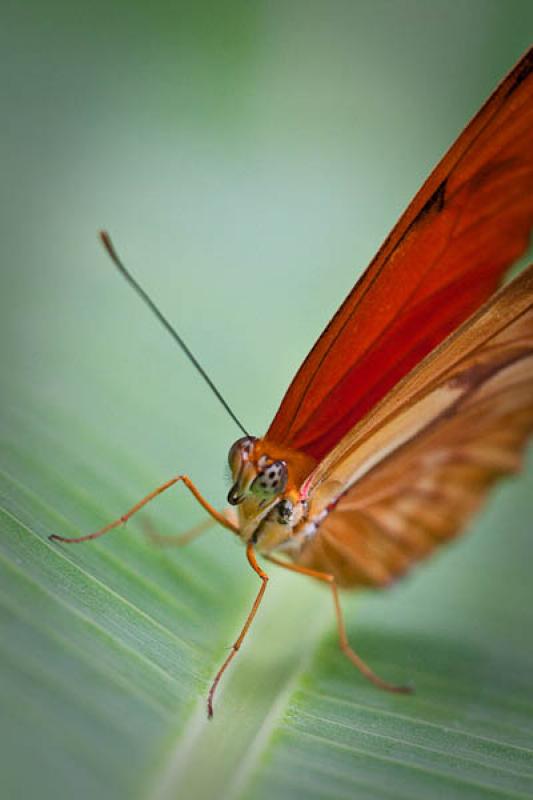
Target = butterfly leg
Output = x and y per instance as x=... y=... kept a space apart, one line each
x=250 y=555
x=179 y=539
x=343 y=639
x=216 y=515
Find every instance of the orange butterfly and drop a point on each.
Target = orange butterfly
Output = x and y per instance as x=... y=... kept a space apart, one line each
x=416 y=398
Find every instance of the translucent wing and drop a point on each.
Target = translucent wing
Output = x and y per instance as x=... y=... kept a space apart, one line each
x=409 y=475
x=444 y=258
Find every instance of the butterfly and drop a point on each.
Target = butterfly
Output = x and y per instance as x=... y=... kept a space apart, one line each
x=418 y=395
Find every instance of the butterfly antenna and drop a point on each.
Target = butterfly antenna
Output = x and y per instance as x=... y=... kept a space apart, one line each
x=108 y=244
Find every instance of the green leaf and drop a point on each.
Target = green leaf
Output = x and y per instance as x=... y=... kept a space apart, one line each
x=108 y=648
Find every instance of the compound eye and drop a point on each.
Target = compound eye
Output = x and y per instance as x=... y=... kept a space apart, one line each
x=240 y=452
x=273 y=479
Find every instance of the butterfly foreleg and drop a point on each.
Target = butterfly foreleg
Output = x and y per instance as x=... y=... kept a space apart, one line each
x=343 y=638
x=250 y=555
x=216 y=515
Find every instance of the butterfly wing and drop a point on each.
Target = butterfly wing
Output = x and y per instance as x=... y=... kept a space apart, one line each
x=410 y=474
x=444 y=258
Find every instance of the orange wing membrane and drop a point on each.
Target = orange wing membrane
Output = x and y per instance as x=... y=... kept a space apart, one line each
x=407 y=478
x=444 y=258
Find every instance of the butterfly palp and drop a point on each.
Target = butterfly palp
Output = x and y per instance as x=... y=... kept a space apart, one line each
x=243 y=471
x=240 y=451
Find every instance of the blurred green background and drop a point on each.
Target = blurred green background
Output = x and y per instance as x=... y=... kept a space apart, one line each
x=248 y=159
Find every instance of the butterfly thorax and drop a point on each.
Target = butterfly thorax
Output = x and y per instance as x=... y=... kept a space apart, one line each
x=267 y=490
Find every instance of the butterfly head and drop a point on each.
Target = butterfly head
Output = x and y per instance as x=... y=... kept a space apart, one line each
x=255 y=475
x=265 y=481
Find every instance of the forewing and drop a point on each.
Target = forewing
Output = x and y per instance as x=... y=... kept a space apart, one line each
x=444 y=258
x=408 y=477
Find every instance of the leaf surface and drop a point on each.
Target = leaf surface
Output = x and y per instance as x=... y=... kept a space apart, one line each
x=107 y=650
